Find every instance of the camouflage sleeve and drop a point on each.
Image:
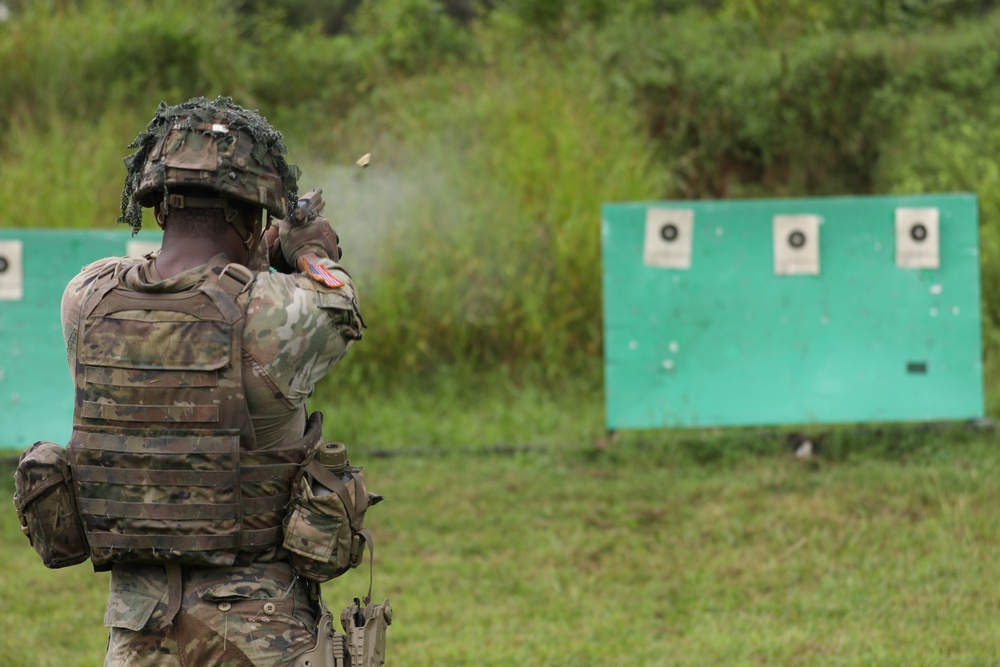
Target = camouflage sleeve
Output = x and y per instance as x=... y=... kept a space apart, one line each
x=297 y=328
x=72 y=301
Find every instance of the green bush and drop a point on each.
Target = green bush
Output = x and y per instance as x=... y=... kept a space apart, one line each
x=409 y=36
x=499 y=128
x=497 y=259
x=79 y=60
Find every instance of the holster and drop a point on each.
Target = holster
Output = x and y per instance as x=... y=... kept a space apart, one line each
x=362 y=646
x=365 y=626
x=330 y=649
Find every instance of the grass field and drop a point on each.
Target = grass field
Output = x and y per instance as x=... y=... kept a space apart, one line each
x=514 y=533
x=680 y=548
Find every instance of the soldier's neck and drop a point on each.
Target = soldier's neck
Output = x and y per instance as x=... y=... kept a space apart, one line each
x=181 y=254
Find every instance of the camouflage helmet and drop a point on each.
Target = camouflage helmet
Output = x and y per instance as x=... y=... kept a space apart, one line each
x=219 y=147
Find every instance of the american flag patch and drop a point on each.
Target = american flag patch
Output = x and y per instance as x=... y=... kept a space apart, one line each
x=319 y=273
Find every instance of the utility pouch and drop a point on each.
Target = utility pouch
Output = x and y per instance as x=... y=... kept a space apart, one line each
x=365 y=625
x=324 y=531
x=43 y=498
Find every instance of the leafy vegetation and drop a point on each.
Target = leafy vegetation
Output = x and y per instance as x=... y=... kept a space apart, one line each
x=499 y=127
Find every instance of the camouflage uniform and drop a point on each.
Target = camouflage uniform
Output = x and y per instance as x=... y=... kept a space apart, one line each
x=260 y=613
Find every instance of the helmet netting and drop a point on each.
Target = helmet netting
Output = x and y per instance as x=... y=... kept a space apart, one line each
x=190 y=114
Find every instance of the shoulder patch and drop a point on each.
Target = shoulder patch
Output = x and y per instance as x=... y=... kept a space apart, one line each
x=319 y=273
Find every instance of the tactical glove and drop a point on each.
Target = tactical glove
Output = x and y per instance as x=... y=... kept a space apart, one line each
x=315 y=239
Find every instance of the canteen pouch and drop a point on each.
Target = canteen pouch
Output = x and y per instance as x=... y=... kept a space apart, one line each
x=325 y=531
x=43 y=498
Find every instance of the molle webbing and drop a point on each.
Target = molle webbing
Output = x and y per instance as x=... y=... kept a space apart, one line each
x=162 y=449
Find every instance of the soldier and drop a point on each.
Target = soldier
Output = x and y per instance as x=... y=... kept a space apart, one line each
x=192 y=367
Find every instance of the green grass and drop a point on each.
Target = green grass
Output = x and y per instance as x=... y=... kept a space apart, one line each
x=663 y=548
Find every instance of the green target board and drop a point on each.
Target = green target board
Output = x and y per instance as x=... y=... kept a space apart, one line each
x=36 y=390
x=795 y=311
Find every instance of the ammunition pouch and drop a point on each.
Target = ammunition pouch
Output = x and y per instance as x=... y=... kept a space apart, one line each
x=43 y=498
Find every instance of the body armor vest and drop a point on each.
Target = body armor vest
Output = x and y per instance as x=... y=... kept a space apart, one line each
x=162 y=450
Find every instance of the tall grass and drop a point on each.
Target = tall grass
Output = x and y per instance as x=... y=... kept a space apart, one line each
x=58 y=172
x=495 y=257
x=474 y=235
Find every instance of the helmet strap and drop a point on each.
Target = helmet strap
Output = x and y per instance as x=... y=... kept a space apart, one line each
x=234 y=219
